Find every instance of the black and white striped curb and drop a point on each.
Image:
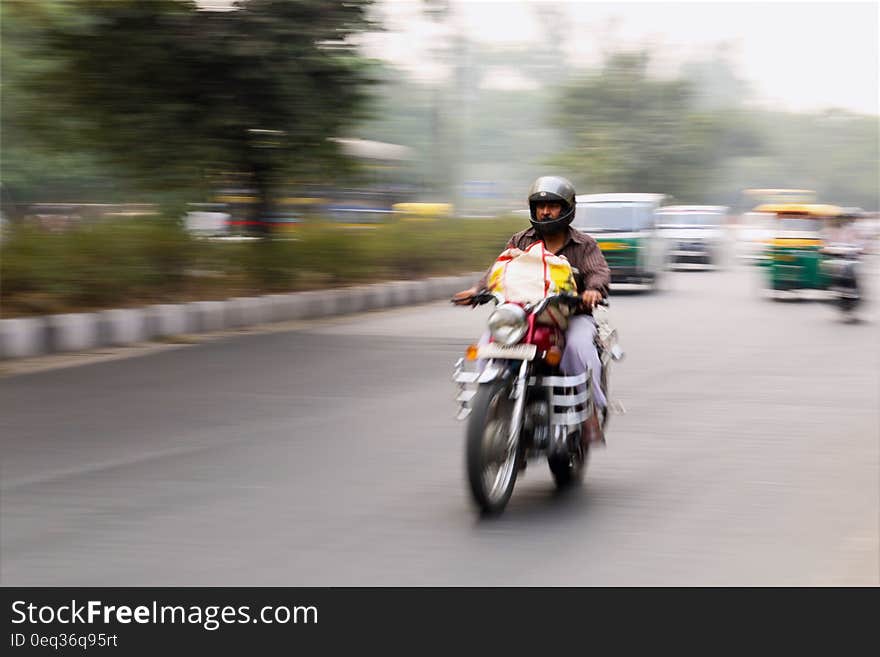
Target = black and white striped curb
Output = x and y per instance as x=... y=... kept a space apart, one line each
x=36 y=336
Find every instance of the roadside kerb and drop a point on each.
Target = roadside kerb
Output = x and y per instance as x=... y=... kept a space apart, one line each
x=171 y=319
x=334 y=302
x=294 y=306
x=247 y=311
x=400 y=293
x=121 y=326
x=358 y=299
x=421 y=291
x=380 y=297
x=25 y=337
x=208 y=315
x=73 y=331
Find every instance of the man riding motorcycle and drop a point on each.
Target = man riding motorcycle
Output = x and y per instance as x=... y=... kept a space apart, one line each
x=552 y=209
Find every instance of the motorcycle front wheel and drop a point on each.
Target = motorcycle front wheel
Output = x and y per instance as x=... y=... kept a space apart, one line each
x=492 y=458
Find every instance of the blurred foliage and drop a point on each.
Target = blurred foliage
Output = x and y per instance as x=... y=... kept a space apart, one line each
x=114 y=263
x=155 y=101
x=168 y=93
x=42 y=160
x=462 y=130
x=695 y=138
x=629 y=131
x=836 y=153
x=93 y=265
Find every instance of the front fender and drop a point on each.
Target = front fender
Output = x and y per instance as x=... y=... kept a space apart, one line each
x=494 y=371
x=469 y=381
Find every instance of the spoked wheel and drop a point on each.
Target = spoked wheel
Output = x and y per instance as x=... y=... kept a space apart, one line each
x=604 y=382
x=492 y=458
x=568 y=467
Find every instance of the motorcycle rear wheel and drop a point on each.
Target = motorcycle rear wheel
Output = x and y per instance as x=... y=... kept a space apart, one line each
x=568 y=469
x=492 y=462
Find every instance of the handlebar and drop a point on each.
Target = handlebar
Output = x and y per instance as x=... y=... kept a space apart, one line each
x=571 y=300
x=483 y=297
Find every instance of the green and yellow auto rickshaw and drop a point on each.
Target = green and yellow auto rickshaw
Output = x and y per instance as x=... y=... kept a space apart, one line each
x=625 y=227
x=794 y=253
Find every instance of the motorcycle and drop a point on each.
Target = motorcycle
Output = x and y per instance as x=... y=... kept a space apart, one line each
x=841 y=268
x=519 y=406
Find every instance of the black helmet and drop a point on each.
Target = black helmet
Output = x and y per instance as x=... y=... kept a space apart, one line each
x=552 y=188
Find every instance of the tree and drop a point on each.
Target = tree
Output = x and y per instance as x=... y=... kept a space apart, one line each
x=630 y=132
x=169 y=93
x=714 y=81
x=836 y=153
x=41 y=158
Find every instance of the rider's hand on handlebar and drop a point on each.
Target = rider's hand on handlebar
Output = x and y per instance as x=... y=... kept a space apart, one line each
x=465 y=297
x=590 y=298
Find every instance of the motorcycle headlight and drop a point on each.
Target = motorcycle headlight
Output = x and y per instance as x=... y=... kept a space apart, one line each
x=508 y=324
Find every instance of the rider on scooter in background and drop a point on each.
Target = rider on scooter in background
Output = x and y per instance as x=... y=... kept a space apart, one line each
x=552 y=208
x=842 y=230
x=843 y=247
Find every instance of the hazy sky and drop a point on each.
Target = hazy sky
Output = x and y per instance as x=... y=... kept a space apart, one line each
x=795 y=55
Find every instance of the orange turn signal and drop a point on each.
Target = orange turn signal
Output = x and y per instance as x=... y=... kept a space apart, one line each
x=553 y=356
x=471 y=352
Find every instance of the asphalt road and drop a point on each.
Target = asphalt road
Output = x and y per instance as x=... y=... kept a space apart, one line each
x=327 y=454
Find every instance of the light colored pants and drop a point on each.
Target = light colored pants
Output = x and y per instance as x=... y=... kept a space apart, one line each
x=580 y=353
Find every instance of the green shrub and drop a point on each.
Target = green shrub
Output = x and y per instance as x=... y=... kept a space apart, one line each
x=127 y=262
x=94 y=265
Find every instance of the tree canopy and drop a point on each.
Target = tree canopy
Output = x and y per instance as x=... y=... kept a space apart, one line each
x=630 y=132
x=169 y=93
x=116 y=96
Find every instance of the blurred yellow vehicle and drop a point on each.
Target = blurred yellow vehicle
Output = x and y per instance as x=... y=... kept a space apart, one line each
x=422 y=211
x=793 y=255
x=755 y=230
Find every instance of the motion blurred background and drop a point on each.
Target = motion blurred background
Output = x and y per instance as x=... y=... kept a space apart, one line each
x=171 y=120
x=173 y=150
